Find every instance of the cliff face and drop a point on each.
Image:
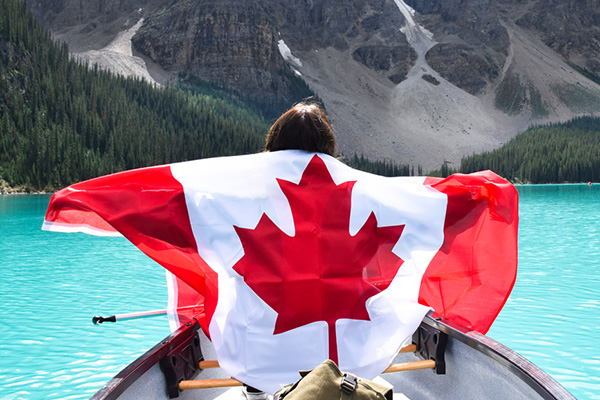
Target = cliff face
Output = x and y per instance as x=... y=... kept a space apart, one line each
x=472 y=42
x=476 y=40
x=367 y=30
x=416 y=81
x=232 y=43
x=572 y=28
x=89 y=24
x=236 y=43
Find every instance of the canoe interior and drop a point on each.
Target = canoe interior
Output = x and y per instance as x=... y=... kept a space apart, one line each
x=476 y=367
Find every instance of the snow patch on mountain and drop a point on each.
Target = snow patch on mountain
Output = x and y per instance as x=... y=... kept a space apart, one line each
x=287 y=55
x=418 y=37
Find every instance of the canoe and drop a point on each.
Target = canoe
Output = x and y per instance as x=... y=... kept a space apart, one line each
x=445 y=361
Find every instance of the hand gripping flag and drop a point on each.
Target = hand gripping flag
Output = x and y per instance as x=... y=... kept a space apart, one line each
x=296 y=257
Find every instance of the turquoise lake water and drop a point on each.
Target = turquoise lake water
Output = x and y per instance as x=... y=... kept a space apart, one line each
x=52 y=284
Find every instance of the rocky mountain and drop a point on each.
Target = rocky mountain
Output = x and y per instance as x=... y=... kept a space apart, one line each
x=415 y=81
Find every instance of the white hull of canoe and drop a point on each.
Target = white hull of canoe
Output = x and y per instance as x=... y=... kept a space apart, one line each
x=476 y=367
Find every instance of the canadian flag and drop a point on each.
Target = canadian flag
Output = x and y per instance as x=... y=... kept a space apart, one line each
x=297 y=257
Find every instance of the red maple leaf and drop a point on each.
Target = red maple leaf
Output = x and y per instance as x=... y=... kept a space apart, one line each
x=322 y=273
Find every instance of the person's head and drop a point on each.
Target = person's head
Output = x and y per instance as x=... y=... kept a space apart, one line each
x=303 y=127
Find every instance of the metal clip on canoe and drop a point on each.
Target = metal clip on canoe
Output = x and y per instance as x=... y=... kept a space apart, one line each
x=431 y=345
x=181 y=363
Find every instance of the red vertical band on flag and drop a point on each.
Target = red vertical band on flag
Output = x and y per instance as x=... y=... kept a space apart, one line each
x=148 y=207
x=469 y=279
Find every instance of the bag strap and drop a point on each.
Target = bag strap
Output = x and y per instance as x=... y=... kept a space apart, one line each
x=348 y=386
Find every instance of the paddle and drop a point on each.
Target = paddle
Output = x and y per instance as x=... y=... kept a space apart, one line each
x=97 y=320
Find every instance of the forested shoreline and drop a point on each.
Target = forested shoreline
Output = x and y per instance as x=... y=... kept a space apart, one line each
x=555 y=153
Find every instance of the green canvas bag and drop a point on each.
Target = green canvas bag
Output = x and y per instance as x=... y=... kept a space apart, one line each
x=327 y=382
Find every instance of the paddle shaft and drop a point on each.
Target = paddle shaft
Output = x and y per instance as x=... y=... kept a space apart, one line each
x=97 y=320
x=410 y=366
x=411 y=348
x=209 y=383
x=229 y=382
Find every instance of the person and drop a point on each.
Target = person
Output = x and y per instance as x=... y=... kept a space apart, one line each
x=303 y=127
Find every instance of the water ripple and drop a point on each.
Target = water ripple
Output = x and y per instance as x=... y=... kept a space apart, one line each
x=552 y=315
x=55 y=284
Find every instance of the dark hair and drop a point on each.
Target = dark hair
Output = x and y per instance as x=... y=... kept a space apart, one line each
x=303 y=127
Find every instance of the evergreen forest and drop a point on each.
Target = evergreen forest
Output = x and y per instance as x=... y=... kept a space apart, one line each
x=556 y=153
x=62 y=122
x=384 y=167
